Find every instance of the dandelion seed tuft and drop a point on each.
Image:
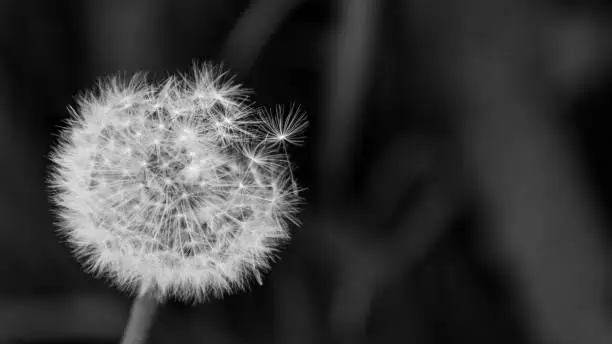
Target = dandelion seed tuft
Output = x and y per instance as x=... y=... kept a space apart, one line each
x=178 y=185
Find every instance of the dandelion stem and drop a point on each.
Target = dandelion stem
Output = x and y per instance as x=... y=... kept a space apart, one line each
x=141 y=317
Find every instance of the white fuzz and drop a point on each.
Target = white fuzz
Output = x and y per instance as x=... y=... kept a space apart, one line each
x=181 y=186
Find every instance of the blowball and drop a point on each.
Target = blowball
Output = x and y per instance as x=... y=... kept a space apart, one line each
x=180 y=186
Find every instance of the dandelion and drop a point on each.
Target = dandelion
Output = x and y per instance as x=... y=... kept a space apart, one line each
x=176 y=189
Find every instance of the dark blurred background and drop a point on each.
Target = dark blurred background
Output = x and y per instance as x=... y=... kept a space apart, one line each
x=457 y=166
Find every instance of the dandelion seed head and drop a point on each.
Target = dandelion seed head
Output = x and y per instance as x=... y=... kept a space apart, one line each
x=175 y=184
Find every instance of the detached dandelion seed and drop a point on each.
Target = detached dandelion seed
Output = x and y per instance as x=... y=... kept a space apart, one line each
x=176 y=189
x=281 y=129
x=285 y=128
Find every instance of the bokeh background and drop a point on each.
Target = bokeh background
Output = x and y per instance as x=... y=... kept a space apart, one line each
x=457 y=166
